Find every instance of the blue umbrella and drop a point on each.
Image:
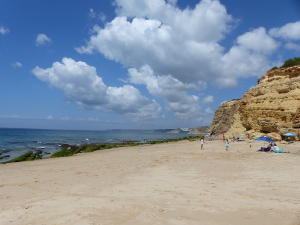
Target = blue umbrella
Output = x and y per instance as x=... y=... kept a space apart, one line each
x=289 y=134
x=265 y=139
x=207 y=135
x=240 y=135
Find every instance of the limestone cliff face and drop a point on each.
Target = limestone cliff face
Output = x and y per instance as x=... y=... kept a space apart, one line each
x=227 y=119
x=271 y=108
x=199 y=130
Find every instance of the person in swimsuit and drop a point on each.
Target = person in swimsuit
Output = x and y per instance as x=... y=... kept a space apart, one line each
x=202 y=143
x=226 y=144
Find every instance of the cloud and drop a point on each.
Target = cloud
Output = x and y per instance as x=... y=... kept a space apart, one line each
x=155 y=33
x=173 y=91
x=258 y=41
x=3 y=30
x=16 y=64
x=208 y=111
x=80 y=83
x=93 y=14
x=292 y=46
x=290 y=31
x=176 y=53
x=159 y=37
x=248 y=57
x=208 y=99
x=223 y=102
x=93 y=119
x=42 y=39
x=50 y=117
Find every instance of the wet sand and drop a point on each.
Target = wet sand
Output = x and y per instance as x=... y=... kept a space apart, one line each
x=172 y=183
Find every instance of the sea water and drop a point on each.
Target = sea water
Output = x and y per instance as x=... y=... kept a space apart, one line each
x=16 y=142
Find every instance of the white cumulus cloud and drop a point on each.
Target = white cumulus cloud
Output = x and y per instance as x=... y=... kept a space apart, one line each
x=16 y=64
x=158 y=35
x=42 y=39
x=181 y=43
x=175 y=52
x=3 y=30
x=80 y=83
x=292 y=46
x=208 y=99
x=290 y=31
x=208 y=111
x=257 y=40
x=173 y=91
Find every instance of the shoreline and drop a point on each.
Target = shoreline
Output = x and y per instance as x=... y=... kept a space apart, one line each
x=169 y=183
x=17 y=142
x=66 y=150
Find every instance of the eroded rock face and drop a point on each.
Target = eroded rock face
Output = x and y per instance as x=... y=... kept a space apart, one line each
x=272 y=108
x=227 y=119
x=199 y=130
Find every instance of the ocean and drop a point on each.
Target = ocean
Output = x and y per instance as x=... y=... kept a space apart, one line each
x=16 y=142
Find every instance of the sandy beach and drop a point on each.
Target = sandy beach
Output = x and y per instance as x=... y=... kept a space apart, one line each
x=172 y=183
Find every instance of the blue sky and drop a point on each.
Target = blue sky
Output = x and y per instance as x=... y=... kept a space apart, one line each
x=138 y=64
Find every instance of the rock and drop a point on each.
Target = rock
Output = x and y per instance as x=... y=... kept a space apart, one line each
x=272 y=108
x=199 y=130
x=227 y=119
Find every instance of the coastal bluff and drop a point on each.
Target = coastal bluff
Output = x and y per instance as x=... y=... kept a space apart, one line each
x=271 y=108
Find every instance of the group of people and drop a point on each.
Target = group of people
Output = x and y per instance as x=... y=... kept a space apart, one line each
x=271 y=146
x=225 y=140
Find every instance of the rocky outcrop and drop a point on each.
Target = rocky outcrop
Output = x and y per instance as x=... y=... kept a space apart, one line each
x=199 y=130
x=196 y=130
x=271 y=108
x=176 y=131
x=226 y=119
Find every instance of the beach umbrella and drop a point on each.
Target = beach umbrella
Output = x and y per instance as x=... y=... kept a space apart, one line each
x=240 y=135
x=264 y=139
x=267 y=139
x=289 y=134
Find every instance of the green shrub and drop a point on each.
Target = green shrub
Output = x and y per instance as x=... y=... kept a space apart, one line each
x=291 y=62
x=288 y=63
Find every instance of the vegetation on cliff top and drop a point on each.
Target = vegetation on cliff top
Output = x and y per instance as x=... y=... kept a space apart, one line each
x=288 y=63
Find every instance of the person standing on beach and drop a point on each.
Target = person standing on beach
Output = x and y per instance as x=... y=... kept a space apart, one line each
x=250 y=143
x=223 y=138
x=226 y=144
x=202 y=143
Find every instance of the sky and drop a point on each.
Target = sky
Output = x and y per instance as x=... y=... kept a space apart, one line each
x=136 y=64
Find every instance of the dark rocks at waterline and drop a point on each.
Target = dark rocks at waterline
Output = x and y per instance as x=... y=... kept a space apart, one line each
x=69 y=150
x=4 y=151
x=29 y=156
x=6 y=156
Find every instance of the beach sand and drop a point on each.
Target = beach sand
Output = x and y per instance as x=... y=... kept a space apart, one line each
x=171 y=183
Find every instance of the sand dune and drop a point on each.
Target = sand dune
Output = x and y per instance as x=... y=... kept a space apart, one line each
x=173 y=183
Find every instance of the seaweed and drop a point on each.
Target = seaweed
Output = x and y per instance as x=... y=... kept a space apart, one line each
x=70 y=150
x=5 y=156
x=29 y=156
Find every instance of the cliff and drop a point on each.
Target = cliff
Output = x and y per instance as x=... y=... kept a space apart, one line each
x=227 y=119
x=271 y=108
x=196 y=130
x=200 y=130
